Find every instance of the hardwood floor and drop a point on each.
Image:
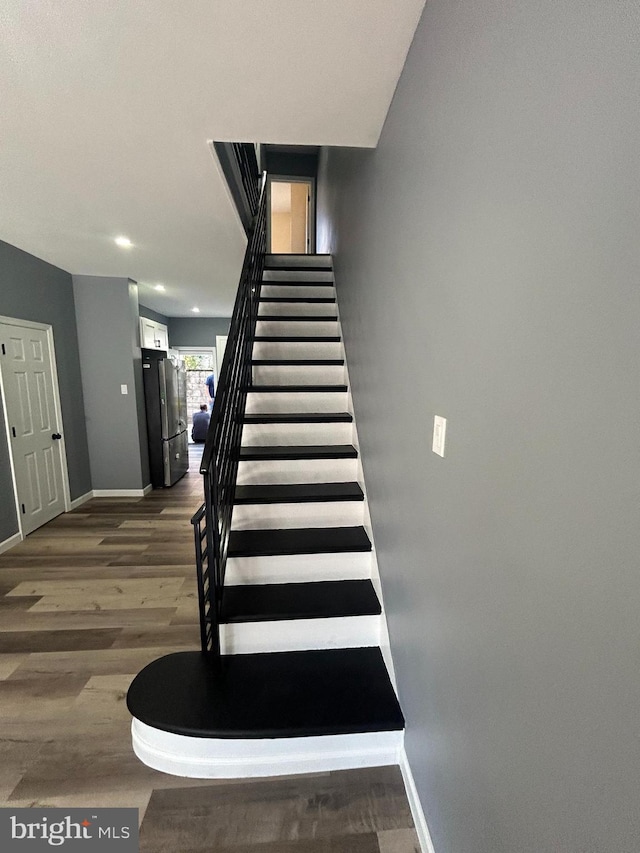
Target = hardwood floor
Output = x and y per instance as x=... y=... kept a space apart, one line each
x=85 y=602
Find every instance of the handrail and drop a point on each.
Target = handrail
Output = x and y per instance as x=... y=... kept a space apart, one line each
x=245 y=154
x=239 y=166
x=219 y=465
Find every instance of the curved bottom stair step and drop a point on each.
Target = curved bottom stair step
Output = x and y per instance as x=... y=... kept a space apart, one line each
x=318 y=600
x=277 y=695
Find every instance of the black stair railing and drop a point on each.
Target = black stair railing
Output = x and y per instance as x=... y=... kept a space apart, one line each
x=219 y=466
x=239 y=166
x=245 y=154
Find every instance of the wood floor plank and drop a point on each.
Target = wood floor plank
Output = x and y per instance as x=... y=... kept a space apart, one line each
x=13 y=642
x=399 y=841
x=80 y=619
x=294 y=808
x=92 y=587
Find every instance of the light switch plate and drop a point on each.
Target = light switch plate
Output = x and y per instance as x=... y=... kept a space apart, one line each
x=124 y=389
x=439 y=434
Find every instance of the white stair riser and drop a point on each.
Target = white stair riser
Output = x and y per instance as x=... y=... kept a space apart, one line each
x=296 y=291
x=298 y=309
x=285 y=516
x=299 y=568
x=260 y=472
x=299 y=374
x=350 y=632
x=235 y=758
x=316 y=276
x=302 y=434
x=292 y=402
x=297 y=328
x=298 y=260
x=298 y=349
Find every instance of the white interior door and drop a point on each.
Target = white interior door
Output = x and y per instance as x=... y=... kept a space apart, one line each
x=32 y=420
x=221 y=343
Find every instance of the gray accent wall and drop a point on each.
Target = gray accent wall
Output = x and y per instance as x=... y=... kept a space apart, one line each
x=107 y=312
x=488 y=267
x=196 y=331
x=150 y=314
x=31 y=289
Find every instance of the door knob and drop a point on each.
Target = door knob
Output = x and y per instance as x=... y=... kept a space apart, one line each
x=56 y=436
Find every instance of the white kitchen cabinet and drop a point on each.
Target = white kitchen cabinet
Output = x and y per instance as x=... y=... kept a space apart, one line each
x=153 y=335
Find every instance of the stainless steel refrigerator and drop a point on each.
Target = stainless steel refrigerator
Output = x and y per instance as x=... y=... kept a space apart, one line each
x=165 y=391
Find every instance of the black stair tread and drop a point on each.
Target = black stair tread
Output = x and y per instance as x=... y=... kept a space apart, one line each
x=268 y=389
x=297 y=540
x=299 y=418
x=302 y=362
x=296 y=268
x=281 y=694
x=295 y=451
x=297 y=318
x=297 y=300
x=300 y=339
x=298 y=493
x=284 y=601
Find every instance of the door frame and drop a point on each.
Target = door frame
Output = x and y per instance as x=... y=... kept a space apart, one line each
x=195 y=350
x=57 y=406
x=311 y=222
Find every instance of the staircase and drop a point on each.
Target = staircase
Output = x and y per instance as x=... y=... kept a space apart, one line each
x=300 y=683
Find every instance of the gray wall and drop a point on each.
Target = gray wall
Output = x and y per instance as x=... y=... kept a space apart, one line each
x=150 y=314
x=107 y=312
x=31 y=289
x=487 y=268
x=196 y=331
x=291 y=163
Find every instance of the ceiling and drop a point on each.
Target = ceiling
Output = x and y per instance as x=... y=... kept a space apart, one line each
x=108 y=106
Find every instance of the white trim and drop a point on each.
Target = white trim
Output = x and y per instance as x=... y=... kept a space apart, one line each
x=148 y=488
x=311 y=210
x=27 y=324
x=121 y=493
x=76 y=502
x=234 y=758
x=10 y=542
x=417 y=812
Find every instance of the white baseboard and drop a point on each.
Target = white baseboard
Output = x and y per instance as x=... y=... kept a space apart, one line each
x=121 y=493
x=76 y=502
x=148 y=488
x=420 y=821
x=10 y=542
x=231 y=758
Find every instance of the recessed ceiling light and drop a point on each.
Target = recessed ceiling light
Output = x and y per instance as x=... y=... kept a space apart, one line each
x=123 y=242
x=195 y=310
x=159 y=287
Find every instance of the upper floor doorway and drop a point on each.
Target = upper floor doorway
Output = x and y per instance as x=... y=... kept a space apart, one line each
x=290 y=220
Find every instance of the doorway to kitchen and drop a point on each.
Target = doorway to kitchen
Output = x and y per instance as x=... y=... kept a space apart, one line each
x=199 y=364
